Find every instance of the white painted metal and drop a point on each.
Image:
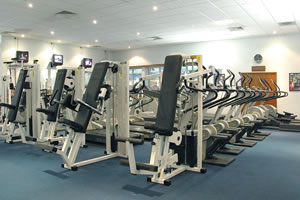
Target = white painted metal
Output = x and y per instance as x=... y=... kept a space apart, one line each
x=33 y=101
x=4 y=95
x=117 y=122
x=161 y=155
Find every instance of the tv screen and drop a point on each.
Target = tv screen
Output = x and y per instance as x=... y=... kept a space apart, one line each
x=57 y=60
x=22 y=56
x=87 y=62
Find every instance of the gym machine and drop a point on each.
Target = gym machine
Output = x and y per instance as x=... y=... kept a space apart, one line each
x=28 y=90
x=117 y=122
x=164 y=162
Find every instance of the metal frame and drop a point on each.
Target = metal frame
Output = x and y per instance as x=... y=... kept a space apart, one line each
x=4 y=94
x=161 y=155
x=33 y=101
x=117 y=122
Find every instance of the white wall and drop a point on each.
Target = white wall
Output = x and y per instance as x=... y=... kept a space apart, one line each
x=43 y=51
x=280 y=53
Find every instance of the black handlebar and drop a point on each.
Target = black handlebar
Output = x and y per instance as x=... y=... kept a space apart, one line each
x=52 y=102
x=136 y=89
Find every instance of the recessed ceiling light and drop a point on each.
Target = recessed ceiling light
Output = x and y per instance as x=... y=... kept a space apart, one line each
x=58 y=41
x=129 y=47
x=30 y=5
x=274 y=32
x=154 y=8
x=95 y=21
x=138 y=33
x=22 y=35
x=224 y=22
x=96 y=41
x=52 y=32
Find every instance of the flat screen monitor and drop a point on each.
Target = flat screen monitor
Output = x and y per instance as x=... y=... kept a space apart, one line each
x=22 y=56
x=57 y=60
x=87 y=62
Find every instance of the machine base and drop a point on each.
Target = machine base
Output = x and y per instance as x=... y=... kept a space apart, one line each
x=244 y=143
x=254 y=137
x=262 y=133
x=271 y=127
x=219 y=161
x=231 y=150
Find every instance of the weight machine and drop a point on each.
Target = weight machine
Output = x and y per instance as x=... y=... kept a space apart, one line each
x=27 y=89
x=117 y=122
x=164 y=162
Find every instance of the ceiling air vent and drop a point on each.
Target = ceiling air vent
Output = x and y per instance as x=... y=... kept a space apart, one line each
x=287 y=23
x=8 y=33
x=65 y=12
x=237 y=28
x=96 y=46
x=155 y=38
x=65 y=15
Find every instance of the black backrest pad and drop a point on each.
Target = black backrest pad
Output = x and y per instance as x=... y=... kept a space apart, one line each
x=12 y=113
x=57 y=91
x=91 y=93
x=167 y=101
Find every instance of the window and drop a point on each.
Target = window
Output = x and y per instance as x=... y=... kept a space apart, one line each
x=136 y=73
x=154 y=84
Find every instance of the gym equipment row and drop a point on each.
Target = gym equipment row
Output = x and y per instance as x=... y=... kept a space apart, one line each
x=182 y=133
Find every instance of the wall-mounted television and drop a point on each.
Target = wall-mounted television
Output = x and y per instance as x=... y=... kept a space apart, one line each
x=22 y=56
x=57 y=60
x=87 y=62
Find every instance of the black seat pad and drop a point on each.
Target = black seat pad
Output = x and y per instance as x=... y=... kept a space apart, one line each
x=12 y=113
x=75 y=126
x=7 y=105
x=56 y=96
x=167 y=101
x=90 y=96
x=45 y=111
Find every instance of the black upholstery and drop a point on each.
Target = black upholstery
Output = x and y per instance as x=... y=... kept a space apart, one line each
x=45 y=111
x=167 y=100
x=7 y=105
x=68 y=102
x=75 y=126
x=52 y=111
x=90 y=96
x=13 y=109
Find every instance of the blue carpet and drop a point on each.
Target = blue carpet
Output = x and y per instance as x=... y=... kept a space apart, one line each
x=269 y=170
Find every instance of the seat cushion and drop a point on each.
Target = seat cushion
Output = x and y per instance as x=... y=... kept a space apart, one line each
x=45 y=111
x=73 y=125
